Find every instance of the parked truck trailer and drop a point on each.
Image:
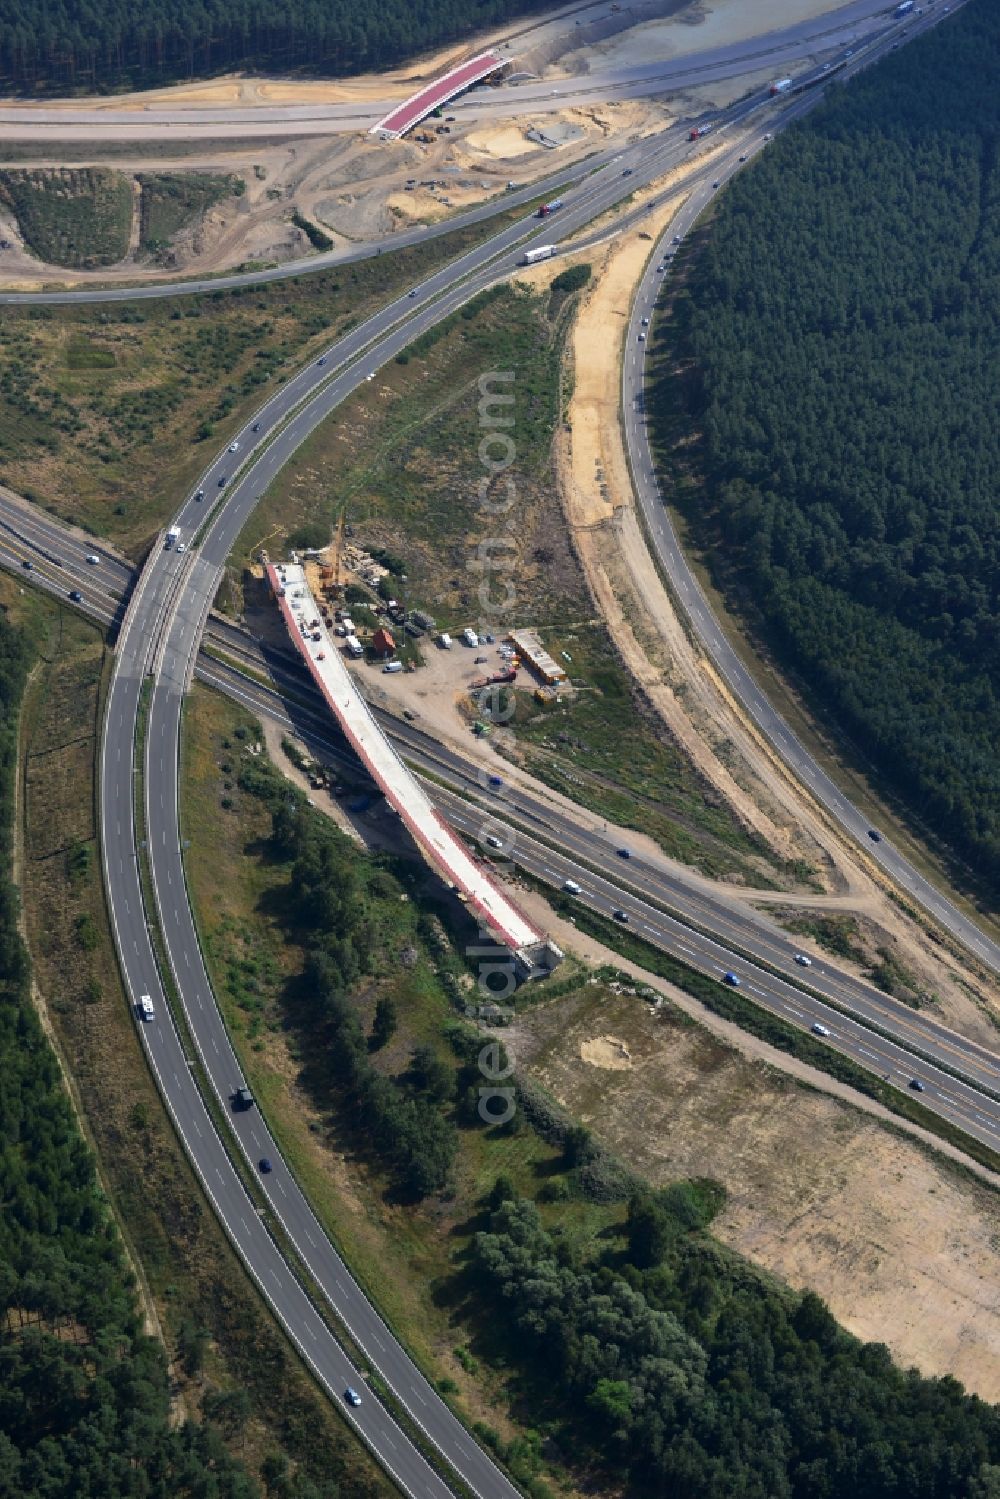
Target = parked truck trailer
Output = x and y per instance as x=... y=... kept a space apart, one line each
x=544 y=252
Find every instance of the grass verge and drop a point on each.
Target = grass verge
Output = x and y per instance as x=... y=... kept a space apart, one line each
x=734 y=1006
x=227 y=1357
x=108 y=414
x=405 y=1254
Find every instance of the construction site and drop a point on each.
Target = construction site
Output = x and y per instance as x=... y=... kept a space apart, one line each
x=326 y=645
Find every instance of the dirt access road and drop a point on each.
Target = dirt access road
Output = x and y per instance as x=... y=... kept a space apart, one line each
x=673 y=673
x=357 y=189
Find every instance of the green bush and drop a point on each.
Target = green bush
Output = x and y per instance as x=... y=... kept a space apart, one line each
x=572 y=279
x=313 y=233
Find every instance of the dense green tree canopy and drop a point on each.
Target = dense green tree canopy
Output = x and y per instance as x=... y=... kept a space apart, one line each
x=55 y=45
x=700 y=1377
x=840 y=336
x=84 y=1397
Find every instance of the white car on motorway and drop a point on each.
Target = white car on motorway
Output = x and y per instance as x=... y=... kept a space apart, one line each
x=803 y=961
x=820 y=1030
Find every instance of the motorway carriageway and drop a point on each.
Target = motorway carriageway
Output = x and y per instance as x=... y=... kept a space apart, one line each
x=561 y=849
x=688 y=591
x=166 y=616
x=951 y=1098
x=161 y=636
x=778 y=49
x=682 y=892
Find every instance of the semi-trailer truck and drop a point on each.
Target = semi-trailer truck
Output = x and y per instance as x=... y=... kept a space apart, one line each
x=544 y=252
x=697 y=131
x=173 y=535
x=548 y=208
x=904 y=9
x=780 y=87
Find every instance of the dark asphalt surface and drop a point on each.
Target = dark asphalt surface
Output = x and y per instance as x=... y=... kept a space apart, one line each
x=160 y=638
x=552 y=856
x=681 y=892
x=698 y=610
x=779 y=48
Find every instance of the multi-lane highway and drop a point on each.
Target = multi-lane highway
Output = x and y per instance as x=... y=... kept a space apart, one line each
x=780 y=48
x=158 y=645
x=555 y=842
x=698 y=610
x=159 y=639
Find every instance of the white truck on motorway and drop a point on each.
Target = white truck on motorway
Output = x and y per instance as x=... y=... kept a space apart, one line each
x=781 y=87
x=544 y=252
x=173 y=536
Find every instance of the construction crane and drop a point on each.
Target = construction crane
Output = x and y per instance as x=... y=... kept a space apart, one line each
x=333 y=573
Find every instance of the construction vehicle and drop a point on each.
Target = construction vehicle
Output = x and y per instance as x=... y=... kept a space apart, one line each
x=497 y=678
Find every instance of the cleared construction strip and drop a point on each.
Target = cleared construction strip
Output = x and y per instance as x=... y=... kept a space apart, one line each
x=534 y=954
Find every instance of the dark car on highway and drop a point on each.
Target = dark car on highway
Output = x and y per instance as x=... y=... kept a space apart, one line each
x=264 y=1165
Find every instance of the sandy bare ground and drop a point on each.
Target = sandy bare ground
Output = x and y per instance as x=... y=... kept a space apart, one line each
x=819 y=1191
x=355 y=187
x=694 y=28
x=676 y=677
x=358 y=188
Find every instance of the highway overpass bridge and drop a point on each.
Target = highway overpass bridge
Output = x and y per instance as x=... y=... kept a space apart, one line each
x=533 y=953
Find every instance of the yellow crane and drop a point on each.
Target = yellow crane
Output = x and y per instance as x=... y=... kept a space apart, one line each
x=334 y=569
